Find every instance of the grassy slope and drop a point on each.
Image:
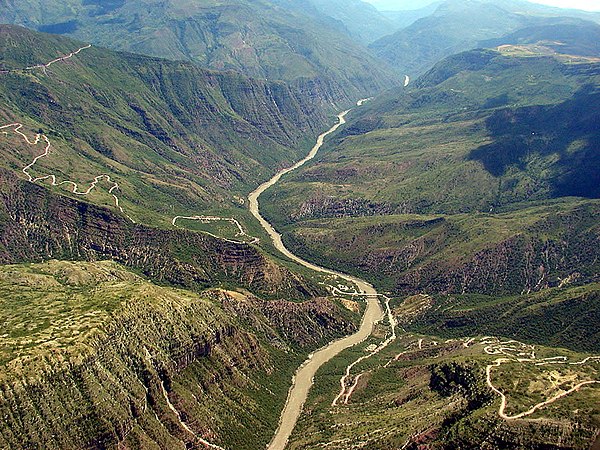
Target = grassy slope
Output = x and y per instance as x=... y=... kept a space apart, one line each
x=75 y=312
x=559 y=316
x=529 y=248
x=260 y=38
x=179 y=140
x=427 y=389
x=412 y=152
x=485 y=148
x=437 y=396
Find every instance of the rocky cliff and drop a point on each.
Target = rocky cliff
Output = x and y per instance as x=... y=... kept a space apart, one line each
x=557 y=247
x=37 y=225
x=504 y=254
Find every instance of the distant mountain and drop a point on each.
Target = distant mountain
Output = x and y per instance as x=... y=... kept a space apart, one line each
x=404 y=18
x=276 y=40
x=400 y=5
x=459 y=25
x=571 y=37
x=362 y=20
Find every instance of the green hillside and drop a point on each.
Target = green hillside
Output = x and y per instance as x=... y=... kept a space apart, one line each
x=178 y=140
x=481 y=178
x=471 y=199
x=262 y=39
x=565 y=317
x=430 y=391
x=578 y=37
x=481 y=131
x=143 y=306
x=95 y=356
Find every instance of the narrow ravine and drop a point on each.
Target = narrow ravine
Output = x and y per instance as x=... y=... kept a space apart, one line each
x=303 y=380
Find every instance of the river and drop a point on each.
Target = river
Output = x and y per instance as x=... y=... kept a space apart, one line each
x=303 y=379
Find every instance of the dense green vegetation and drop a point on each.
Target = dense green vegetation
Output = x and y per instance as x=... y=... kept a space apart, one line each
x=179 y=140
x=265 y=39
x=495 y=254
x=481 y=178
x=37 y=225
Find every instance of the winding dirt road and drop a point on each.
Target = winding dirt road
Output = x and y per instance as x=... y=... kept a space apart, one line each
x=48 y=64
x=518 y=352
x=235 y=222
x=16 y=128
x=345 y=391
x=303 y=380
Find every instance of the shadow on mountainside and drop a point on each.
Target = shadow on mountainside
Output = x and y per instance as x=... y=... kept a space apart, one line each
x=569 y=130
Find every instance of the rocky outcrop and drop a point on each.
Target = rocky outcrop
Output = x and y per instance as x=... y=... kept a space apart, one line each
x=113 y=392
x=521 y=264
x=440 y=256
x=306 y=324
x=328 y=206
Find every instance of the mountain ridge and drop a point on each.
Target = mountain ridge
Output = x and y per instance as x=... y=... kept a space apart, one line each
x=261 y=39
x=197 y=139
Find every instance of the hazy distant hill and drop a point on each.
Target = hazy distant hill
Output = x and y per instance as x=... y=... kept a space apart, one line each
x=574 y=37
x=363 y=21
x=400 y=5
x=459 y=25
x=405 y=18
